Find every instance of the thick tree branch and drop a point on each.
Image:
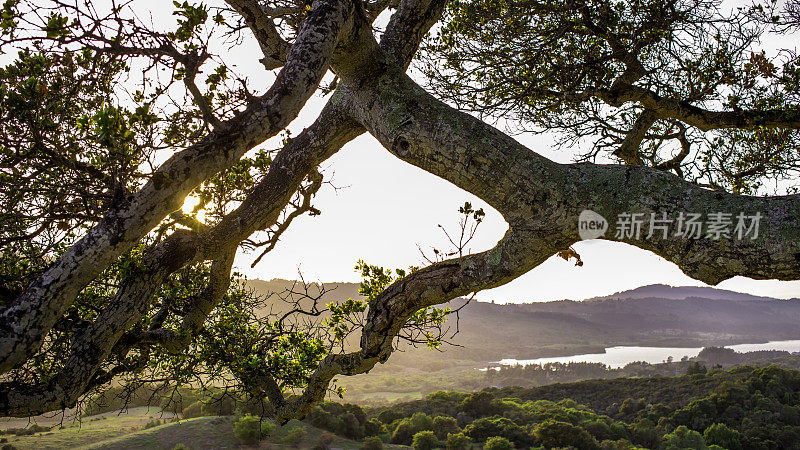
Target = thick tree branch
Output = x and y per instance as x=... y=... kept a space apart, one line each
x=536 y=194
x=628 y=150
x=703 y=119
x=24 y=324
x=260 y=23
x=408 y=26
x=260 y=210
x=92 y=344
x=541 y=201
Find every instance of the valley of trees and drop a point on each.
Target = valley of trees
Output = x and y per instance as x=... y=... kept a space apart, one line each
x=743 y=408
x=109 y=121
x=738 y=408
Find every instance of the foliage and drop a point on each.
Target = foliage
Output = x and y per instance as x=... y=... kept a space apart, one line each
x=696 y=369
x=374 y=427
x=498 y=443
x=549 y=65
x=443 y=426
x=372 y=443
x=720 y=434
x=33 y=429
x=346 y=419
x=683 y=438
x=219 y=405
x=152 y=423
x=482 y=429
x=403 y=433
x=425 y=440
x=421 y=422
x=743 y=407
x=553 y=433
x=323 y=442
x=458 y=441
x=294 y=436
x=424 y=326
x=248 y=430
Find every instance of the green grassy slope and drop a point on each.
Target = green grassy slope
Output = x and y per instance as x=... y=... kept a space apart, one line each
x=112 y=431
x=86 y=431
x=200 y=432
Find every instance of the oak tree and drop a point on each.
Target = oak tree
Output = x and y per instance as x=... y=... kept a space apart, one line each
x=110 y=120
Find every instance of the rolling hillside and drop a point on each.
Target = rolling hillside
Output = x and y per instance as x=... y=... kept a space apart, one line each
x=655 y=315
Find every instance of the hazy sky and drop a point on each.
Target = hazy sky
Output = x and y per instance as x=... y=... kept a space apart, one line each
x=382 y=209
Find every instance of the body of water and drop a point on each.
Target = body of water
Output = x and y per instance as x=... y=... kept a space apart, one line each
x=616 y=357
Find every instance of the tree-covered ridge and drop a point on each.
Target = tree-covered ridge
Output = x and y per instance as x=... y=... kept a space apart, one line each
x=742 y=408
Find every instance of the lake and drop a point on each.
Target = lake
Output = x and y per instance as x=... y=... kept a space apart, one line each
x=616 y=357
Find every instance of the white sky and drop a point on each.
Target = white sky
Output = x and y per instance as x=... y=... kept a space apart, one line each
x=383 y=209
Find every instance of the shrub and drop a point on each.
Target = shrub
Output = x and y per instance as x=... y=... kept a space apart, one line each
x=36 y=428
x=351 y=426
x=19 y=431
x=485 y=427
x=598 y=429
x=403 y=434
x=683 y=438
x=498 y=443
x=443 y=425
x=421 y=422
x=425 y=440
x=621 y=444
x=389 y=415
x=320 y=418
x=630 y=406
x=479 y=404
x=323 y=442
x=372 y=443
x=374 y=427
x=720 y=434
x=193 y=410
x=618 y=431
x=294 y=436
x=344 y=419
x=645 y=434
x=248 y=430
x=152 y=423
x=254 y=406
x=553 y=433
x=180 y=447
x=696 y=369
x=31 y=430
x=457 y=441
x=267 y=428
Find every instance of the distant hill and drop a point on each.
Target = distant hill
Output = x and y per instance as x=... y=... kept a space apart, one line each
x=680 y=292
x=334 y=292
x=656 y=315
